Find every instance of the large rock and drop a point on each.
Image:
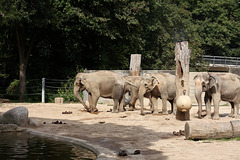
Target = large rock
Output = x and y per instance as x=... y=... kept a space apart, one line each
x=18 y=116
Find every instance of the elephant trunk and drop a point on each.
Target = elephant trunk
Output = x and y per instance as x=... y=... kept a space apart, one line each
x=198 y=96
x=77 y=94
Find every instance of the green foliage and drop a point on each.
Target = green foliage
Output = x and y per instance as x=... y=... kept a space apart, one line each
x=61 y=37
x=13 y=87
x=67 y=91
x=217 y=23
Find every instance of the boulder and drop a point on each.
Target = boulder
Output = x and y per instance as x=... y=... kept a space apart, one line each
x=18 y=116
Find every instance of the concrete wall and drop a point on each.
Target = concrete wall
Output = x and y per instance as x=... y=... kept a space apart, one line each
x=235 y=70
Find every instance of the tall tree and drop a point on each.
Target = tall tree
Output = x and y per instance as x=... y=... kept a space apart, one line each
x=25 y=19
x=217 y=23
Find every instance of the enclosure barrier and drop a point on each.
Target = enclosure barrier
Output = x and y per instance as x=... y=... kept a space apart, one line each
x=221 y=60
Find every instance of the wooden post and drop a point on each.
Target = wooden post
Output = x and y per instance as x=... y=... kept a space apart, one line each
x=182 y=58
x=135 y=64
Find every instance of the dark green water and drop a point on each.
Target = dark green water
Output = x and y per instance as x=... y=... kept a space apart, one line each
x=25 y=146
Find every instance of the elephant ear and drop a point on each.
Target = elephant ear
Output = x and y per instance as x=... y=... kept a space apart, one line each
x=82 y=79
x=154 y=81
x=214 y=81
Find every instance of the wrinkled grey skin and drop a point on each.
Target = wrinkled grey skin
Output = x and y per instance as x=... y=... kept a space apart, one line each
x=135 y=80
x=217 y=87
x=158 y=85
x=104 y=84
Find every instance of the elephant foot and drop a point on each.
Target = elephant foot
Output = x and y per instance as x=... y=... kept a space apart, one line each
x=216 y=118
x=207 y=117
x=142 y=114
x=131 y=109
x=165 y=113
x=115 y=111
x=231 y=115
x=95 y=110
x=235 y=116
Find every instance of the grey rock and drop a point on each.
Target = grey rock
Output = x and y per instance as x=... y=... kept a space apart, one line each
x=32 y=123
x=18 y=116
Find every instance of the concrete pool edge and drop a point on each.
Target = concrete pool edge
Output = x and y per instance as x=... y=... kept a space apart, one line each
x=101 y=152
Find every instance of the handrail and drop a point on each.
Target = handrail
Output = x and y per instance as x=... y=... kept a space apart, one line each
x=222 y=60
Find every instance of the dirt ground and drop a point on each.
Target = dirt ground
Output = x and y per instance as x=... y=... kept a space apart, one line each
x=113 y=132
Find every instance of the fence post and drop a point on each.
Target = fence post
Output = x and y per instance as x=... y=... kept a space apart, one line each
x=43 y=90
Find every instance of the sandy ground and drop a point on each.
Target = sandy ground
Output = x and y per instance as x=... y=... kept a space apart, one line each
x=151 y=134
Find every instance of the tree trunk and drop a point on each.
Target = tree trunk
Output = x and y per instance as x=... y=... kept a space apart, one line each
x=135 y=64
x=23 y=57
x=22 y=81
x=212 y=130
x=182 y=58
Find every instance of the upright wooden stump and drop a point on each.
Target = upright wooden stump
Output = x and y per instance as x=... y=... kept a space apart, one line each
x=135 y=64
x=182 y=58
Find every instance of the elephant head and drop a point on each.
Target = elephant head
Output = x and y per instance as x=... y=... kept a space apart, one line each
x=79 y=86
x=204 y=82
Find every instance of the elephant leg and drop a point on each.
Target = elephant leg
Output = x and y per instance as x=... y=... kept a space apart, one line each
x=172 y=106
x=216 y=101
x=208 y=100
x=154 y=105
x=232 y=110
x=132 y=104
x=164 y=105
x=115 y=106
x=121 y=102
x=93 y=99
x=236 y=110
x=90 y=102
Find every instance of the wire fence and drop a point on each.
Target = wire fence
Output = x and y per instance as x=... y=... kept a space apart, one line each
x=41 y=90
x=215 y=60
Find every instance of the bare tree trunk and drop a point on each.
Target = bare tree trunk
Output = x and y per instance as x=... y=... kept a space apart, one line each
x=135 y=65
x=22 y=81
x=182 y=58
x=23 y=58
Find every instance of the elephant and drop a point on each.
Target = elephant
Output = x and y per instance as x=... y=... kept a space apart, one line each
x=217 y=87
x=106 y=84
x=158 y=85
x=135 y=80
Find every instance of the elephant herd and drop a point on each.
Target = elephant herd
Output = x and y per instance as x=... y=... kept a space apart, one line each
x=108 y=84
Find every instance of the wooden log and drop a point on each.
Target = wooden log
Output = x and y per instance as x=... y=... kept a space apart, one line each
x=236 y=128
x=135 y=64
x=208 y=130
x=212 y=130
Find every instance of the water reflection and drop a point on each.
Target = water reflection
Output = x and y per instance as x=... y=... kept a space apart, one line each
x=26 y=146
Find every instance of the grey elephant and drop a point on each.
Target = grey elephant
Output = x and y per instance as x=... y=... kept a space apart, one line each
x=136 y=81
x=217 y=87
x=104 y=84
x=158 y=85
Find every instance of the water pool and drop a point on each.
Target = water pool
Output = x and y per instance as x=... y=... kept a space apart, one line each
x=22 y=145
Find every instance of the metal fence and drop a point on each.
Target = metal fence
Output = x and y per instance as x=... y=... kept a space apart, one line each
x=222 y=60
x=41 y=90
